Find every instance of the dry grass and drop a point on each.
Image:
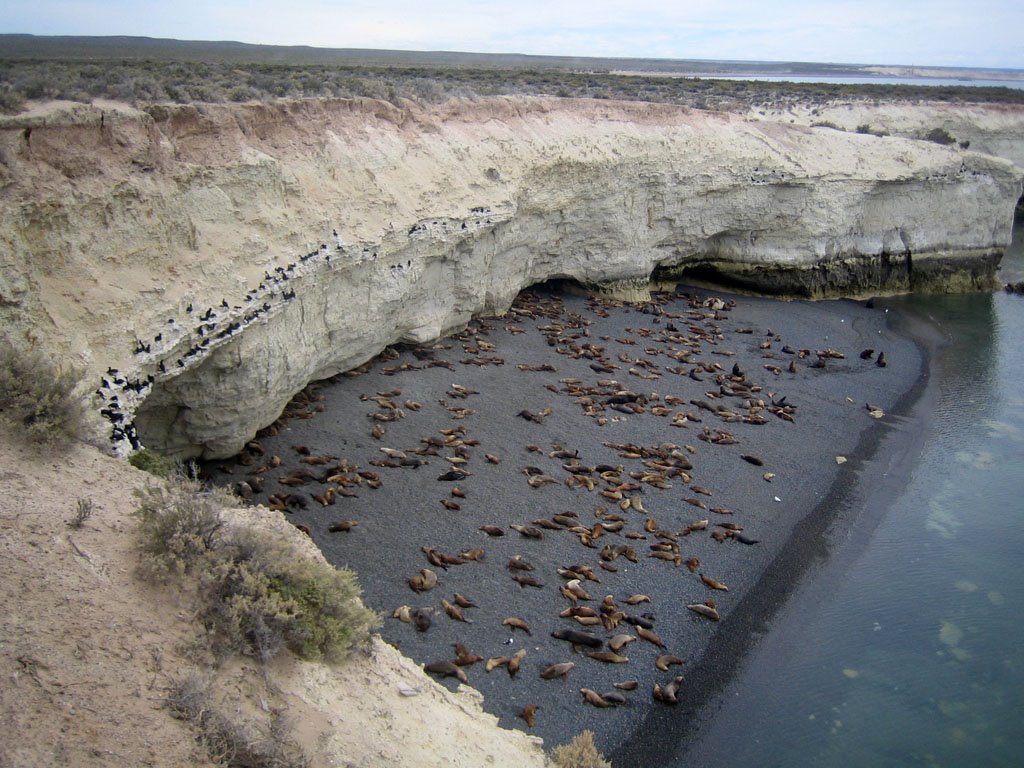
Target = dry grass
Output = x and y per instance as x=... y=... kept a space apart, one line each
x=233 y=742
x=581 y=752
x=38 y=400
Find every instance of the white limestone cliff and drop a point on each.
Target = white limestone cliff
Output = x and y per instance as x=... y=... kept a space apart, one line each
x=115 y=221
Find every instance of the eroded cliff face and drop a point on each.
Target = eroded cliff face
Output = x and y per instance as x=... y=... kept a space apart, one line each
x=234 y=253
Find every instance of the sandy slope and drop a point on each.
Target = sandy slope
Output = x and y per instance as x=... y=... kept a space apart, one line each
x=88 y=651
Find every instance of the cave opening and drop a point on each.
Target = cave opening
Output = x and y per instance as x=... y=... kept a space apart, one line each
x=1011 y=267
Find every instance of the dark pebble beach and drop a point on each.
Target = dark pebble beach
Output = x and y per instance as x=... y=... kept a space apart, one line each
x=634 y=421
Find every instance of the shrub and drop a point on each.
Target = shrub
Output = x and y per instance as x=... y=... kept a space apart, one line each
x=581 y=752
x=257 y=595
x=940 y=136
x=265 y=596
x=181 y=526
x=865 y=128
x=229 y=742
x=154 y=463
x=83 y=512
x=39 y=399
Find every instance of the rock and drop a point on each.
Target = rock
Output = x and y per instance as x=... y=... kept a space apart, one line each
x=448 y=212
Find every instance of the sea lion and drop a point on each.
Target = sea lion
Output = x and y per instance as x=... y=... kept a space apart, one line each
x=742 y=539
x=578 y=638
x=454 y=612
x=517 y=563
x=447 y=669
x=516 y=623
x=614 y=697
x=463 y=602
x=618 y=642
x=421 y=618
x=666 y=660
x=529 y=714
x=527 y=581
x=713 y=583
x=425 y=580
x=640 y=621
x=528 y=531
x=627 y=685
x=515 y=661
x=637 y=599
x=403 y=613
x=561 y=670
x=594 y=698
x=668 y=694
x=707 y=611
x=650 y=636
x=343 y=526
x=496 y=661
x=492 y=530
x=608 y=657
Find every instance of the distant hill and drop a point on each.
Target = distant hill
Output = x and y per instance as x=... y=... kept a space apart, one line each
x=20 y=46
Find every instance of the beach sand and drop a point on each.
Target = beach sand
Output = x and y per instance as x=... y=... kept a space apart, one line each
x=787 y=515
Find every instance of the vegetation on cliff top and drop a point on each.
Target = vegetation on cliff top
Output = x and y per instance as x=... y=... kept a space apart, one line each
x=184 y=74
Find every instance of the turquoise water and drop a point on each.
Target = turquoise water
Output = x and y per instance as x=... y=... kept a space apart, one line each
x=906 y=649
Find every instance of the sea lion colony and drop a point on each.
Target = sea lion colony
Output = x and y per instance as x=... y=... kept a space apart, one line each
x=578 y=568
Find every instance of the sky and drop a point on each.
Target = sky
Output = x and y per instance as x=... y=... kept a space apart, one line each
x=975 y=33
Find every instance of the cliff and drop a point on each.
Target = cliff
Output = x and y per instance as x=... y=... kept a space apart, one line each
x=218 y=258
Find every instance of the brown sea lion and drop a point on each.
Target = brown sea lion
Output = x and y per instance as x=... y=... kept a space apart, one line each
x=713 y=583
x=593 y=698
x=425 y=580
x=447 y=669
x=707 y=611
x=650 y=636
x=529 y=714
x=515 y=662
x=454 y=612
x=516 y=623
x=496 y=661
x=608 y=657
x=668 y=694
x=557 y=670
x=619 y=642
x=666 y=660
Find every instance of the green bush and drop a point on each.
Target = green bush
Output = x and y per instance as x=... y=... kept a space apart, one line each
x=865 y=128
x=257 y=595
x=154 y=463
x=940 y=136
x=181 y=526
x=38 y=399
x=265 y=596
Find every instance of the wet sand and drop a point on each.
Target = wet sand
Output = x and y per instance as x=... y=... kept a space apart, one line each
x=787 y=516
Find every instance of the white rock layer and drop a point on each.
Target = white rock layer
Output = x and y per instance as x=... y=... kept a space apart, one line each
x=110 y=230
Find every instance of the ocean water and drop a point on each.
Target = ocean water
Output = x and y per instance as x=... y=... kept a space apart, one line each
x=905 y=649
x=937 y=82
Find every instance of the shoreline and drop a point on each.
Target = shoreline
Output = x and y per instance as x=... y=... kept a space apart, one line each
x=819 y=546
x=421 y=521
